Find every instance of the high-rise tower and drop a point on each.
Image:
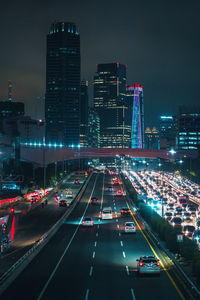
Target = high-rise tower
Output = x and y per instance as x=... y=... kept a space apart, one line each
x=62 y=101
x=111 y=106
x=84 y=113
x=135 y=95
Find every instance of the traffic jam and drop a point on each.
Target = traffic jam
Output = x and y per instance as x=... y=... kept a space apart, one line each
x=173 y=197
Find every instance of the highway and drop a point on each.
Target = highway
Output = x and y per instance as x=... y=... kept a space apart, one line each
x=96 y=262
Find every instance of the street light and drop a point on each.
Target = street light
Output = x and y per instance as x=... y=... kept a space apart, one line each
x=172 y=151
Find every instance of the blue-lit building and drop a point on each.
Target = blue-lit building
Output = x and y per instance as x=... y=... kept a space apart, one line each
x=62 y=100
x=188 y=128
x=167 y=131
x=93 y=129
x=136 y=104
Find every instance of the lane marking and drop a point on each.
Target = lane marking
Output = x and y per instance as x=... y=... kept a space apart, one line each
x=93 y=255
x=119 y=233
x=121 y=243
x=95 y=243
x=67 y=247
x=97 y=234
x=157 y=256
x=133 y=295
x=127 y=270
x=102 y=192
x=124 y=255
x=87 y=294
x=117 y=225
x=116 y=220
x=91 y=270
x=98 y=226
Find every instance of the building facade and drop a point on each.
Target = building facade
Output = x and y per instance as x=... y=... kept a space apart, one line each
x=151 y=138
x=188 y=128
x=110 y=102
x=135 y=96
x=84 y=113
x=62 y=100
x=167 y=132
x=93 y=132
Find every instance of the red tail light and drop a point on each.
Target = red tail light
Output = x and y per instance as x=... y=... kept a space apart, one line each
x=158 y=264
x=141 y=264
x=83 y=222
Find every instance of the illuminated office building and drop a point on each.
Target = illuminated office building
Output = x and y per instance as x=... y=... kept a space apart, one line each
x=110 y=102
x=93 y=132
x=167 y=132
x=135 y=96
x=188 y=128
x=151 y=138
x=62 y=100
x=84 y=113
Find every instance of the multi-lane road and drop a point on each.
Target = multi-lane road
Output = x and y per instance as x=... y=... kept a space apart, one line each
x=95 y=263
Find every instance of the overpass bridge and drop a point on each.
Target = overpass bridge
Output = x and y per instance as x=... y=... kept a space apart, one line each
x=45 y=155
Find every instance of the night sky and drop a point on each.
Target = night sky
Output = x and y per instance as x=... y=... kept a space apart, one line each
x=159 y=41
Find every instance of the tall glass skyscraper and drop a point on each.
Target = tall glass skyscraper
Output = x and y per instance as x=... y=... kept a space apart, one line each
x=62 y=101
x=135 y=96
x=110 y=102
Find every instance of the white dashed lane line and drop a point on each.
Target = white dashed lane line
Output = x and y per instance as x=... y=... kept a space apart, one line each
x=116 y=220
x=127 y=270
x=124 y=255
x=119 y=233
x=133 y=295
x=95 y=243
x=121 y=243
x=93 y=255
x=87 y=294
x=97 y=234
x=91 y=270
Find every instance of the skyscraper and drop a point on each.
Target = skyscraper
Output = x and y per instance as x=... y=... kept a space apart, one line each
x=167 y=132
x=84 y=113
x=62 y=101
x=111 y=106
x=135 y=96
x=9 y=90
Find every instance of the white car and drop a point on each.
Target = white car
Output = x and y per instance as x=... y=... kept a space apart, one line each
x=87 y=221
x=130 y=227
x=148 y=265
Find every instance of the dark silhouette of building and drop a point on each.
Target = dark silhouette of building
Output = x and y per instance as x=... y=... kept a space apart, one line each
x=84 y=113
x=110 y=102
x=62 y=100
x=9 y=90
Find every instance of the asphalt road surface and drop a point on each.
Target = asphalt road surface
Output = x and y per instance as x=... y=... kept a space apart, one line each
x=94 y=263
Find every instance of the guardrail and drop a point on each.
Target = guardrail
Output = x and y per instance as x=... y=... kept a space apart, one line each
x=19 y=266
x=190 y=283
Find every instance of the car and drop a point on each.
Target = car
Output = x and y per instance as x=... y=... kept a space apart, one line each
x=87 y=221
x=125 y=211
x=168 y=216
x=148 y=265
x=189 y=230
x=76 y=181
x=198 y=223
x=130 y=227
x=94 y=200
x=176 y=222
x=63 y=203
x=119 y=193
x=196 y=236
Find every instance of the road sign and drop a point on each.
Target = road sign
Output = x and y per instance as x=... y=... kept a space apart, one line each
x=179 y=238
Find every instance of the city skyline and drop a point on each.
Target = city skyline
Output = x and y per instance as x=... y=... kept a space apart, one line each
x=157 y=42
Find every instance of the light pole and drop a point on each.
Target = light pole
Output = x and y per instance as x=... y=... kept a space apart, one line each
x=44 y=165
